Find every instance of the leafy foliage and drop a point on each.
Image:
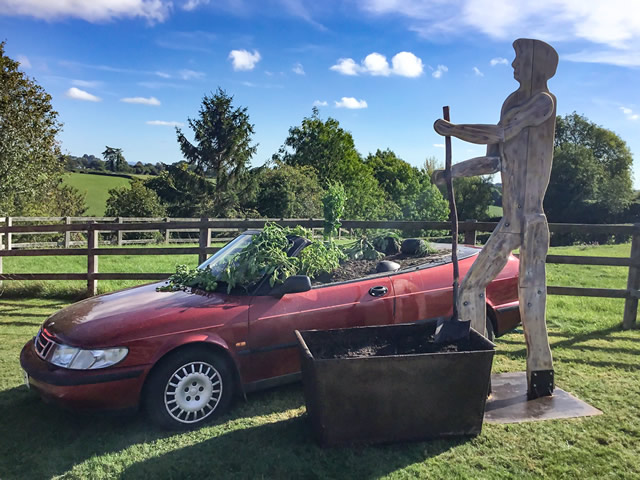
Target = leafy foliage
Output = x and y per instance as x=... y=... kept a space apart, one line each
x=387 y=242
x=114 y=160
x=134 y=201
x=363 y=249
x=30 y=160
x=333 y=207
x=330 y=150
x=591 y=174
x=288 y=192
x=222 y=148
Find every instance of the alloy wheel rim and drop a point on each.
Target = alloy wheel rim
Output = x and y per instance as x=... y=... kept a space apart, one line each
x=193 y=392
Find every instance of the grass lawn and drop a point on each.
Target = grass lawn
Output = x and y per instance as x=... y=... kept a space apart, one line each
x=97 y=189
x=268 y=436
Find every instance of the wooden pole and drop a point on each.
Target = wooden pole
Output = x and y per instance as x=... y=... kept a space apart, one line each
x=9 y=237
x=453 y=216
x=119 y=233
x=92 y=259
x=633 y=284
x=67 y=234
x=470 y=232
x=205 y=241
x=167 y=233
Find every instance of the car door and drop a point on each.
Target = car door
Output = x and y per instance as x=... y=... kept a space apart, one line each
x=272 y=321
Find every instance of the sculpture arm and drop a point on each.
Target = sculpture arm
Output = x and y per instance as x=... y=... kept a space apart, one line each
x=537 y=110
x=470 y=168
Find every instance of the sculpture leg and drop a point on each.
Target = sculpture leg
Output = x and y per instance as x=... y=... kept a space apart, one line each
x=533 y=301
x=491 y=260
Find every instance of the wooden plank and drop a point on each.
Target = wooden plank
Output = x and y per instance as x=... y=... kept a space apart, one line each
x=470 y=232
x=9 y=236
x=132 y=276
x=587 y=292
x=43 y=276
x=578 y=260
x=43 y=252
x=92 y=260
x=67 y=234
x=633 y=284
x=119 y=233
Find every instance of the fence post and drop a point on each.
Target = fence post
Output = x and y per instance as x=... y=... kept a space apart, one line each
x=167 y=233
x=205 y=240
x=119 y=220
x=67 y=234
x=3 y=233
x=470 y=232
x=92 y=259
x=633 y=283
x=8 y=221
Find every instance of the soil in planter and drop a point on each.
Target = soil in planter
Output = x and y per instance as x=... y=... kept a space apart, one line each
x=354 y=269
x=407 y=345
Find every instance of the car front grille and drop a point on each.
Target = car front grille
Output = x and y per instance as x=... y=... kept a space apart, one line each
x=43 y=344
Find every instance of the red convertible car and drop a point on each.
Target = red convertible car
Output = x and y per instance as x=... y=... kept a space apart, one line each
x=184 y=356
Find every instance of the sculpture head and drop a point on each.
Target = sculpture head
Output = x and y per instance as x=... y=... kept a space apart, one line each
x=535 y=62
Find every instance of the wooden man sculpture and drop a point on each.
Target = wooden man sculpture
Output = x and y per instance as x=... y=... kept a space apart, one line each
x=520 y=146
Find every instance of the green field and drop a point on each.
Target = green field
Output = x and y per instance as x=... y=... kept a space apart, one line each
x=96 y=188
x=268 y=436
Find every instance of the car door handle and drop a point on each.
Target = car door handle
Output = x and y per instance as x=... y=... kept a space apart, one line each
x=378 y=291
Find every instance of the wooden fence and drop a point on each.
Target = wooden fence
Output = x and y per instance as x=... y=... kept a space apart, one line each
x=91 y=227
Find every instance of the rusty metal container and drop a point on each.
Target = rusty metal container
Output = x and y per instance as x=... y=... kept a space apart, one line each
x=392 y=397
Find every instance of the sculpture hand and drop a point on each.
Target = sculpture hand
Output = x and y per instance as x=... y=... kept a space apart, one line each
x=443 y=127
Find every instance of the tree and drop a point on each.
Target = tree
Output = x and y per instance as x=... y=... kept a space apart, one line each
x=30 y=160
x=222 y=148
x=330 y=150
x=136 y=200
x=114 y=159
x=591 y=175
x=473 y=197
x=289 y=192
x=185 y=193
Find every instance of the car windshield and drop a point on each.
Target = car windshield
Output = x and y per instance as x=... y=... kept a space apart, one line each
x=219 y=260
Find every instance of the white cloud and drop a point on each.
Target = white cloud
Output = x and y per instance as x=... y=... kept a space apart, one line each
x=320 y=103
x=621 y=58
x=477 y=72
x=614 y=24
x=498 y=61
x=78 y=94
x=404 y=64
x=163 y=123
x=243 y=59
x=86 y=83
x=438 y=145
x=346 y=66
x=193 y=4
x=440 y=69
x=376 y=64
x=91 y=11
x=24 y=61
x=162 y=75
x=628 y=113
x=297 y=69
x=350 y=103
x=142 y=100
x=190 y=74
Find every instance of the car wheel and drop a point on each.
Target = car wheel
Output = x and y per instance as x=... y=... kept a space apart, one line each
x=491 y=334
x=188 y=388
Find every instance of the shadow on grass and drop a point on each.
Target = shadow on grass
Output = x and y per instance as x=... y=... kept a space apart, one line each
x=39 y=440
x=283 y=449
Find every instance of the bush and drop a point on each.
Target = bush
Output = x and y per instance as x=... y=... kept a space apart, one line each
x=134 y=201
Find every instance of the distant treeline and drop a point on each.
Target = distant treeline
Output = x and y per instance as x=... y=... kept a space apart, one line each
x=95 y=164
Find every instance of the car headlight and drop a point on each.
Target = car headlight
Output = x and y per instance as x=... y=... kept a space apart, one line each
x=79 y=359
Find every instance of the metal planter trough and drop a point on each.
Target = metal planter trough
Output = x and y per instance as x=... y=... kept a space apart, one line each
x=369 y=384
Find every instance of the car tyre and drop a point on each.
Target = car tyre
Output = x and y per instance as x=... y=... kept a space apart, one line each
x=189 y=388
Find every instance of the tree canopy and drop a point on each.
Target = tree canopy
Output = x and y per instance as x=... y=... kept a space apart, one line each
x=136 y=200
x=591 y=174
x=222 y=148
x=30 y=160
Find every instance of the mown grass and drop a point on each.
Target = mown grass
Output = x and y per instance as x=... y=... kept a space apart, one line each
x=97 y=189
x=268 y=436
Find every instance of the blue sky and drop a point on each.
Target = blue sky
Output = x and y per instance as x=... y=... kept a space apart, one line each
x=124 y=72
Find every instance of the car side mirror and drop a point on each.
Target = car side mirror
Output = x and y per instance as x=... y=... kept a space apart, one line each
x=293 y=284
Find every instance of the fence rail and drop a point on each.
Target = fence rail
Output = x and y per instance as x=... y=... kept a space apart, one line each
x=93 y=226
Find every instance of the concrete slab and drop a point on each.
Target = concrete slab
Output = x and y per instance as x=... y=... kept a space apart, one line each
x=508 y=402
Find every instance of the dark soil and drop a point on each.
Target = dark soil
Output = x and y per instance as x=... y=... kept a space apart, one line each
x=415 y=344
x=354 y=269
